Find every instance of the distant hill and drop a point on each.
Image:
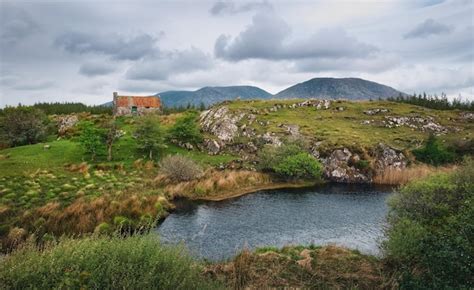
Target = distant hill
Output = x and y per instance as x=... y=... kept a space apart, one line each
x=327 y=88
x=338 y=88
x=211 y=95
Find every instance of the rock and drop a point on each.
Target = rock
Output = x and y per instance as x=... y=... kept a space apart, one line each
x=306 y=260
x=372 y=112
x=468 y=116
x=387 y=157
x=65 y=123
x=271 y=139
x=46 y=147
x=419 y=123
x=188 y=146
x=293 y=130
x=337 y=168
x=212 y=146
x=221 y=123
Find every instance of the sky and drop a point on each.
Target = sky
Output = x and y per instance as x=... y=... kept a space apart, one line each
x=82 y=51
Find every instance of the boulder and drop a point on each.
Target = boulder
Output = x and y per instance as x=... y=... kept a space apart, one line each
x=337 y=168
x=212 y=146
x=65 y=123
x=221 y=123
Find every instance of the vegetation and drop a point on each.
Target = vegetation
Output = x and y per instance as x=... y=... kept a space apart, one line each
x=69 y=108
x=22 y=125
x=299 y=166
x=434 y=152
x=150 y=136
x=138 y=262
x=186 y=129
x=290 y=161
x=180 y=168
x=430 y=242
x=435 y=102
x=92 y=139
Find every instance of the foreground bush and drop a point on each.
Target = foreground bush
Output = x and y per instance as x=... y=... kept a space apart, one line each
x=22 y=126
x=138 y=262
x=180 y=168
x=430 y=239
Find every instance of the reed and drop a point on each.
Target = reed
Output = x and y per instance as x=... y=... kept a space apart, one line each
x=395 y=176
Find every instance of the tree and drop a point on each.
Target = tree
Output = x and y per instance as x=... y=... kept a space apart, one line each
x=111 y=137
x=92 y=139
x=186 y=129
x=149 y=135
x=23 y=125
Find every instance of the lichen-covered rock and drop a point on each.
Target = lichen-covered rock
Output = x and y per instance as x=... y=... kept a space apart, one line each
x=372 y=112
x=338 y=169
x=386 y=157
x=427 y=124
x=221 y=123
x=271 y=138
x=212 y=146
x=468 y=116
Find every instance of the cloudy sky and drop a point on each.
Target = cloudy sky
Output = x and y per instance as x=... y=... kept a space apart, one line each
x=85 y=50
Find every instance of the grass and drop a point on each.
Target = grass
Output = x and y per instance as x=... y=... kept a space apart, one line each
x=395 y=176
x=138 y=262
x=298 y=267
x=344 y=128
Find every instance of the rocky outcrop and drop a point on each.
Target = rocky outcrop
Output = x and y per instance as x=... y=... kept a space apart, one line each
x=386 y=157
x=338 y=167
x=377 y=111
x=221 y=123
x=424 y=124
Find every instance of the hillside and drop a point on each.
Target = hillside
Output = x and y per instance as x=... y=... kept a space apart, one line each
x=342 y=88
x=211 y=95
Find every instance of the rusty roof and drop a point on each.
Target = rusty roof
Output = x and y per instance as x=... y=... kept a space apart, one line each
x=139 y=101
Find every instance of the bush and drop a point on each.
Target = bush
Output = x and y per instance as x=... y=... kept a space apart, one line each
x=180 y=168
x=22 y=125
x=186 y=129
x=301 y=165
x=92 y=139
x=430 y=241
x=434 y=153
x=290 y=161
x=138 y=262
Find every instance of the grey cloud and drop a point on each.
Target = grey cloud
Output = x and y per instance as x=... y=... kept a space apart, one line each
x=267 y=38
x=92 y=69
x=33 y=85
x=229 y=7
x=15 y=24
x=174 y=62
x=114 y=45
x=427 y=28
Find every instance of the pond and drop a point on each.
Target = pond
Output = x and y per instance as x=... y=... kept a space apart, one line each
x=349 y=215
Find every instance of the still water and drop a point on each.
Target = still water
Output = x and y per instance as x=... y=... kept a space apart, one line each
x=349 y=215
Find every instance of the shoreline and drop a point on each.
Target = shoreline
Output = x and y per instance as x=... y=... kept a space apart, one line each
x=252 y=189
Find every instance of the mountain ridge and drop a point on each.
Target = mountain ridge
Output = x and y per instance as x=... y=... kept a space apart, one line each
x=321 y=87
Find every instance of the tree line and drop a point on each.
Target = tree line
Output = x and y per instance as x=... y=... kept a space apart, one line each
x=434 y=102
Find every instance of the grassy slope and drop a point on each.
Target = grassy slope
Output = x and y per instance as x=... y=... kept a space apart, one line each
x=345 y=128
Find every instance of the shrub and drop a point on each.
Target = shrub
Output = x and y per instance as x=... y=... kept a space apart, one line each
x=138 y=262
x=180 y=168
x=22 y=125
x=186 y=129
x=434 y=152
x=301 y=165
x=150 y=136
x=430 y=241
x=290 y=161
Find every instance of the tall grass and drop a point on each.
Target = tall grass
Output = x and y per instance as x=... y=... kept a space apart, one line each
x=395 y=176
x=138 y=262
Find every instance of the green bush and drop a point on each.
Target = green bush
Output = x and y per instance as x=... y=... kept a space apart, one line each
x=434 y=152
x=186 y=129
x=149 y=135
x=290 y=160
x=430 y=235
x=92 y=139
x=301 y=165
x=138 y=262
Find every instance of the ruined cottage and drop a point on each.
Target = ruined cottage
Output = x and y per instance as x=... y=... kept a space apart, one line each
x=136 y=105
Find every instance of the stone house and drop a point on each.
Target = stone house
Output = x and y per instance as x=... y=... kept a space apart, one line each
x=136 y=105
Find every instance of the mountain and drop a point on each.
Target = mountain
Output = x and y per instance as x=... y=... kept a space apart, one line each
x=211 y=95
x=327 y=88
x=338 y=88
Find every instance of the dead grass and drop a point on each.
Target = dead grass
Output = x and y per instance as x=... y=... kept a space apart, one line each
x=214 y=183
x=394 y=176
x=328 y=267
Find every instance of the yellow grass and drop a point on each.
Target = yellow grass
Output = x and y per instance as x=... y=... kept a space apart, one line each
x=394 y=176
